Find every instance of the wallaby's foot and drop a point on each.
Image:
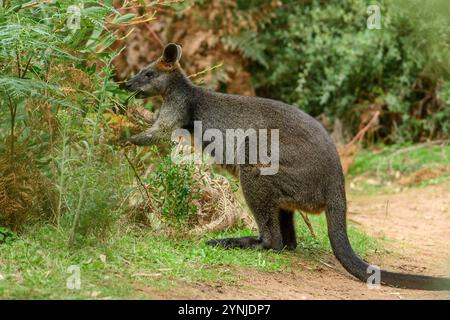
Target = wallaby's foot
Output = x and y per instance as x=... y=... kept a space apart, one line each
x=286 y=219
x=228 y=243
x=243 y=243
x=291 y=246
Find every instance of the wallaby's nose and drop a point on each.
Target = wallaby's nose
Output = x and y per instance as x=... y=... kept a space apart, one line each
x=128 y=84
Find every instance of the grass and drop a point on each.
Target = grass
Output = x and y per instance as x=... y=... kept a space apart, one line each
x=406 y=162
x=382 y=168
x=35 y=266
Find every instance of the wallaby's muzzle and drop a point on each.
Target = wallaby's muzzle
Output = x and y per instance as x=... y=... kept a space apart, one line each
x=131 y=86
x=128 y=84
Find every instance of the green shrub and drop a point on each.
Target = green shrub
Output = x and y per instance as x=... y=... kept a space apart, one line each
x=322 y=57
x=174 y=188
x=55 y=85
x=7 y=236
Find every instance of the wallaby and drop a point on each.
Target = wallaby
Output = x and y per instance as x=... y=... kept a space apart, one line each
x=309 y=178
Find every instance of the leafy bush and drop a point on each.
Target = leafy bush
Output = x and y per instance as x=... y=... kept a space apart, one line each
x=55 y=85
x=59 y=101
x=175 y=189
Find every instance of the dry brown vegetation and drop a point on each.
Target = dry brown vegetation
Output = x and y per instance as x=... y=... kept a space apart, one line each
x=25 y=195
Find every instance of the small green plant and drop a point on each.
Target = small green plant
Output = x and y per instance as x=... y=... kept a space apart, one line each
x=7 y=236
x=175 y=188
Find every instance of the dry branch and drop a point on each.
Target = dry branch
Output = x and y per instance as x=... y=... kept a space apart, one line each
x=308 y=224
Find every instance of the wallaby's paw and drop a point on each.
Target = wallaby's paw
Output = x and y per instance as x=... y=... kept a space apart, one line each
x=244 y=242
x=291 y=246
x=213 y=242
x=225 y=243
x=140 y=139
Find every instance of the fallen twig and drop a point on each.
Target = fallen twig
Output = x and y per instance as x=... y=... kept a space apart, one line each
x=347 y=153
x=308 y=223
x=363 y=131
x=326 y=264
x=138 y=178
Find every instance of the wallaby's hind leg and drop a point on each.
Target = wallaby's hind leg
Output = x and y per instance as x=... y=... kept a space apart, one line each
x=288 y=229
x=266 y=213
x=269 y=230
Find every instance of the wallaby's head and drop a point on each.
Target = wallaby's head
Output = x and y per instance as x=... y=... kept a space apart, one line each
x=157 y=77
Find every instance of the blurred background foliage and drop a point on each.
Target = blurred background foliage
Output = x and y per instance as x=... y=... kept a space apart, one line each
x=324 y=59
x=64 y=114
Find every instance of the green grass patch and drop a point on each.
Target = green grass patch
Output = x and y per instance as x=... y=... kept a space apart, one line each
x=319 y=247
x=403 y=158
x=381 y=169
x=37 y=264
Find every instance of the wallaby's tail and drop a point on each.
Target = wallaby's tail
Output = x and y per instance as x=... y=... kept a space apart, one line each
x=337 y=232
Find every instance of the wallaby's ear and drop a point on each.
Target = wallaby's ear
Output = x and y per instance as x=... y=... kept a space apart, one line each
x=172 y=53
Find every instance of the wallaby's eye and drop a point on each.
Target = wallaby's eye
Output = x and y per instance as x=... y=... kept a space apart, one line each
x=149 y=74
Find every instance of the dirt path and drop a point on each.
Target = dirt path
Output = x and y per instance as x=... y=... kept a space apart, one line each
x=415 y=224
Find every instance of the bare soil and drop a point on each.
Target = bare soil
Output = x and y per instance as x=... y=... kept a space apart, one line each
x=413 y=227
